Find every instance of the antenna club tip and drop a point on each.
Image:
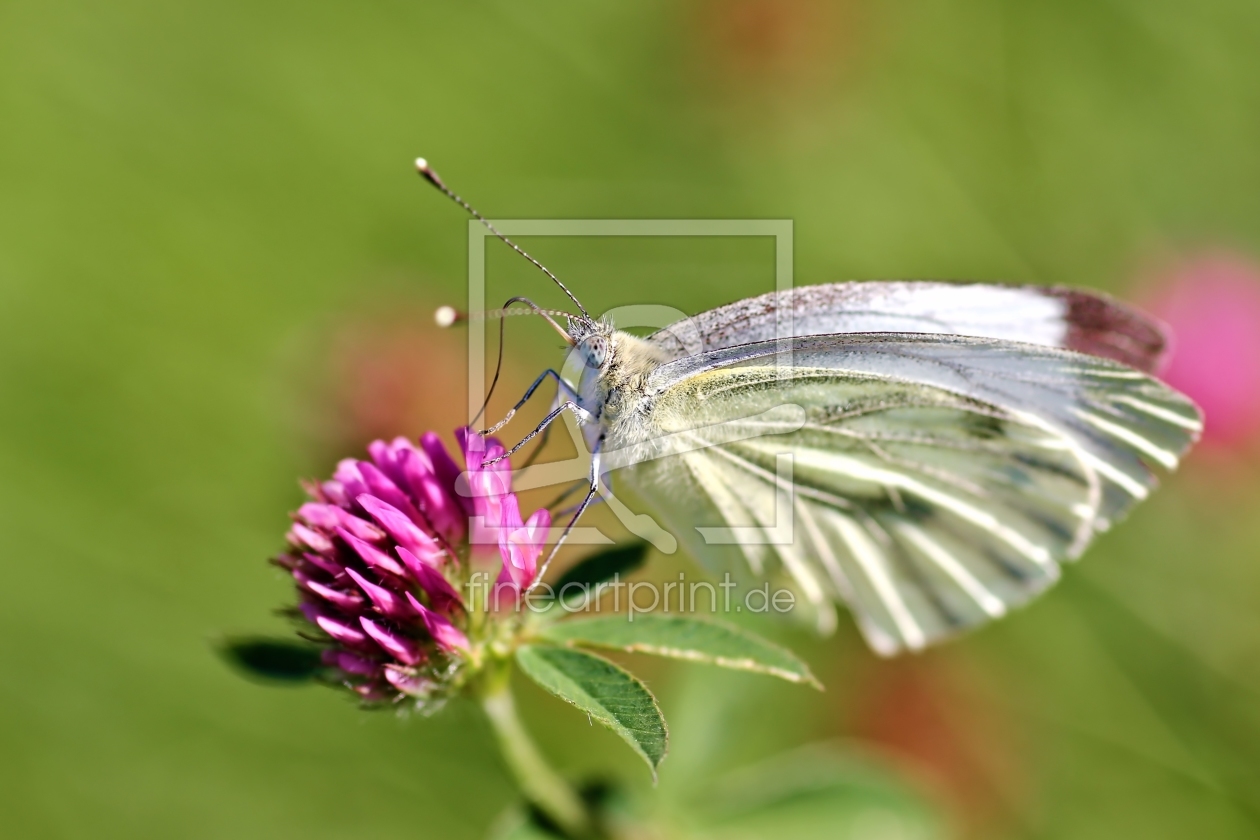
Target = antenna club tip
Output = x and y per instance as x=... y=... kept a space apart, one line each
x=426 y=172
x=445 y=316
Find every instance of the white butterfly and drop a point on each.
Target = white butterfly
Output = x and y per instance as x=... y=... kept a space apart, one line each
x=946 y=446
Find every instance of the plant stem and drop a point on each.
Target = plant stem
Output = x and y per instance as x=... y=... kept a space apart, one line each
x=550 y=793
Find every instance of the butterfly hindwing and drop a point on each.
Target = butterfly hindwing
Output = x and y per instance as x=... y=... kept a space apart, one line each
x=1122 y=419
x=934 y=482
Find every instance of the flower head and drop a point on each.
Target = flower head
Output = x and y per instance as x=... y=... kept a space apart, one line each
x=382 y=551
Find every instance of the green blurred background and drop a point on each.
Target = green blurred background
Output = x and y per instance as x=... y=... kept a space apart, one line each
x=216 y=275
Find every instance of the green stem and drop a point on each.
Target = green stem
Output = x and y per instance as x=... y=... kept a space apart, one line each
x=550 y=793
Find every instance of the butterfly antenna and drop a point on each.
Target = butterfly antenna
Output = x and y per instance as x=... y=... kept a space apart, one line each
x=447 y=316
x=422 y=166
x=498 y=368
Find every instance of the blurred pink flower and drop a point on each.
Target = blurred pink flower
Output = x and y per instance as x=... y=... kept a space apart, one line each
x=763 y=48
x=1212 y=305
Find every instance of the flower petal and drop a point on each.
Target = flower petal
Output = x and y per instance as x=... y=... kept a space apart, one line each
x=351 y=663
x=521 y=543
x=437 y=499
x=508 y=582
x=348 y=476
x=407 y=681
x=340 y=631
x=335 y=492
x=383 y=455
x=373 y=692
x=442 y=594
x=328 y=565
x=510 y=514
x=447 y=635
x=330 y=517
x=388 y=603
x=399 y=526
x=538 y=525
x=344 y=601
x=406 y=651
x=372 y=555
x=379 y=485
x=300 y=535
x=444 y=466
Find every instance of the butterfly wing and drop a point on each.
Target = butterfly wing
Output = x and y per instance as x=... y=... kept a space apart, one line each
x=933 y=481
x=1087 y=322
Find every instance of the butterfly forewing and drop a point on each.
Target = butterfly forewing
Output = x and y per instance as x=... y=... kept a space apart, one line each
x=1088 y=322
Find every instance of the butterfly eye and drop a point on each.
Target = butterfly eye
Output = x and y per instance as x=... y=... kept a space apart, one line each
x=594 y=351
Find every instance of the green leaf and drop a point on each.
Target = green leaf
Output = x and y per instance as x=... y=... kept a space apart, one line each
x=594 y=570
x=684 y=637
x=273 y=660
x=605 y=691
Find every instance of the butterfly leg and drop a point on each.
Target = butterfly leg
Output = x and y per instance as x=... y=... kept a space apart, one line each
x=568 y=491
x=582 y=415
x=542 y=444
x=592 y=489
x=563 y=386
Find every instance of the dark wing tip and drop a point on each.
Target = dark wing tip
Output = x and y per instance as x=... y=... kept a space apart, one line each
x=1100 y=326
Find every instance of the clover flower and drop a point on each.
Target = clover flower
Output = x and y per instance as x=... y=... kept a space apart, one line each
x=381 y=553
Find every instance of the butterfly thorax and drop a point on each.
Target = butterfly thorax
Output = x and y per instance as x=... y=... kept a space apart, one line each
x=614 y=384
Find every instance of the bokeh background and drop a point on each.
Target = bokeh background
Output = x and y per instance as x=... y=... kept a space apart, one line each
x=217 y=273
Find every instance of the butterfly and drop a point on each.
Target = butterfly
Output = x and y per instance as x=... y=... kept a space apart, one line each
x=928 y=454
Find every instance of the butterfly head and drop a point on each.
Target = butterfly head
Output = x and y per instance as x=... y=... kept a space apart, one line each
x=592 y=340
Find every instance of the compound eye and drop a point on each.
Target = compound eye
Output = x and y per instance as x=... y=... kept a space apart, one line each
x=595 y=351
